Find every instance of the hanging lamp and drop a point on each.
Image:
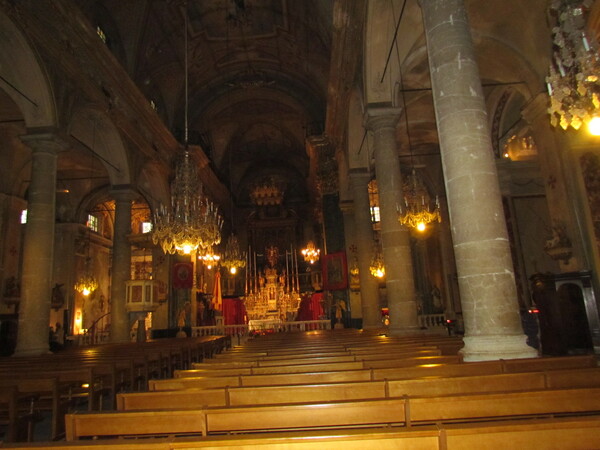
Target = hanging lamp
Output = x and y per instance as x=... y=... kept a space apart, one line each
x=192 y=221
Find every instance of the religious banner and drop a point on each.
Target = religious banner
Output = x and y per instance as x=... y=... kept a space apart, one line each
x=335 y=271
x=183 y=275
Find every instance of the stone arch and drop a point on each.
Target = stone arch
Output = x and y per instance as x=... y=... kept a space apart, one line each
x=23 y=78
x=96 y=131
x=153 y=184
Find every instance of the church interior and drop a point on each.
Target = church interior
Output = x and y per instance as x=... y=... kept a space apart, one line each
x=275 y=223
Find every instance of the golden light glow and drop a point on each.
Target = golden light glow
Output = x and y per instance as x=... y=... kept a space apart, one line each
x=233 y=258
x=86 y=284
x=429 y=365
x=377 y=268
x=310 y=253
x=594 y=126
x=416 y=204
x=421 y=226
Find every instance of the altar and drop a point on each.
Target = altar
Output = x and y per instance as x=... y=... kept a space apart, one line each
x=272 y=295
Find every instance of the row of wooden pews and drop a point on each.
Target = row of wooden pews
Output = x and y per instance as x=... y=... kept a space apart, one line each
x=351 y=389
x=89 y=378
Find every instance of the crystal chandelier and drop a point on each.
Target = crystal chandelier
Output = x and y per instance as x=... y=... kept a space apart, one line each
x=310 y=253
x=192 y=221
x=573 y=81
x=416 y=213
x=233 y=258
x=377 y=267
x=86 y=284
x=209 y=257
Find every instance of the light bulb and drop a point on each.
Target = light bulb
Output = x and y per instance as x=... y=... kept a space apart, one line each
x=233 y=270
x=85 y=292
x=421 y=226
x=594 y=126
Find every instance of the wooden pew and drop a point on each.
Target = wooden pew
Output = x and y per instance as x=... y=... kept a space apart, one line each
x=423 y=370
x=406 y=411
x=262 y=395
x=537 y=434
x=214 y=420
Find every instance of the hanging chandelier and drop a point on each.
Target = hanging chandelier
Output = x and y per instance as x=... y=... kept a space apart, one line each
x=310 y=253
x=209 y=257
x=86 y=284
x=574 y=75
x=233 y=258
x=192 y=221
x=416 y=213
x=377 y=268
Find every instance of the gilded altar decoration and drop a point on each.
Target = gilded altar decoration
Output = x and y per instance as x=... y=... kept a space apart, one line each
x=272 y=293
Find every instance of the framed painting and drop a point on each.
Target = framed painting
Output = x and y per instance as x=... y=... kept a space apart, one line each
x=335 y=271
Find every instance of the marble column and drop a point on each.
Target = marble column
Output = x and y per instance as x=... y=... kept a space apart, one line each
x=121 y=265
x=394 y=236
x=485 y=273
x=363 y=227
x=38 y=246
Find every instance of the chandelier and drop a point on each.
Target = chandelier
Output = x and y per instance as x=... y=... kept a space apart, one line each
x=86 y=284
x=417 y=213
x=377 y=267
x=269 y=192
x=192 y=221
x=310 y=253
x=233 y=258
x=573 y=82
x=209 y=257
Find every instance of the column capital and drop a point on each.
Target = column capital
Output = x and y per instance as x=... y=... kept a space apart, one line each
x=536 y=108
x=44 y=142
x=378 y=118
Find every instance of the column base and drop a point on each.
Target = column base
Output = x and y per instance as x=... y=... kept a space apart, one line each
x=32 y=352
x=494 y=347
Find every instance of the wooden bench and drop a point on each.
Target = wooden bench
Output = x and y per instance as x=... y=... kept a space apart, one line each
x=351 y=375
x=261 y=395
x=497 y=435
x=405 y=411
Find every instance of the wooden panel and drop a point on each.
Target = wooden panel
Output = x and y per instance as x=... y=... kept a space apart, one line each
x=505 y=404
x=465 y=385
x=305 y=416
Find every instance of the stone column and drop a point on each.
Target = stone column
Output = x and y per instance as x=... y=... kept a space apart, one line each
x=369 y=286
x=121 y=265
x=395 y=237
x=485 y=273
x=38 y=246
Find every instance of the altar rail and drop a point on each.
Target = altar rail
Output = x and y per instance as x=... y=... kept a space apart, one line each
x=434 y=322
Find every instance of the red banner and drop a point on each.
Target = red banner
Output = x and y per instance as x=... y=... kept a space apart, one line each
x=183 y=275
